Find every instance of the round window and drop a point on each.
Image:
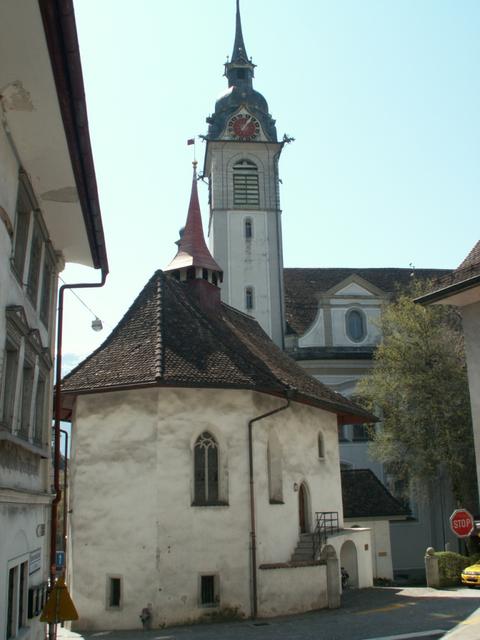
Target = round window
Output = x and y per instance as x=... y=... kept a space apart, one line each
x=355 y=321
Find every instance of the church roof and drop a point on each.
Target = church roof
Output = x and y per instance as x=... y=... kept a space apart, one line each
x=465 y=276
x=167 y=339
x=302 y=287
x=364 y=496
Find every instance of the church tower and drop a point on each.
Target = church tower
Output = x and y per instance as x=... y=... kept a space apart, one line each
x=241 y=164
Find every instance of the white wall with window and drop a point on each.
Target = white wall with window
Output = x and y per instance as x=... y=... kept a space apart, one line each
x=27 y=290
x=191 y=529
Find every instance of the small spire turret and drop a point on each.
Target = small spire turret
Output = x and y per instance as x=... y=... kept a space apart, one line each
x=193 y=260
x=239 y=54
x=239 y=70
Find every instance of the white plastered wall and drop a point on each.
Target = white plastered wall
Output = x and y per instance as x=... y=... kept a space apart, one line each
x=131 y=499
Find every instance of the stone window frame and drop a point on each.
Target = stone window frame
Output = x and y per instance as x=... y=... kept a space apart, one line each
x=249 y=298
x=29 y=349
x=246 y=184
x=216 y=590
x=109 y=592
x=33 y=258
x=17 y=596
x=248 y=228
x=363 y=319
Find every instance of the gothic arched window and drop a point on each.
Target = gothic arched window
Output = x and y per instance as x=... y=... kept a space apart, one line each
x=245 y=184
x=206 y=469
x=355 y=325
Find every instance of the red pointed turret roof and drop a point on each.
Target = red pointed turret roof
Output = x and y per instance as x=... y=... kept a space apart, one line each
x=192 y=249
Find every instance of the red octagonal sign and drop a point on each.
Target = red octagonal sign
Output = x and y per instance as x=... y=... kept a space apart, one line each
x=461 y=523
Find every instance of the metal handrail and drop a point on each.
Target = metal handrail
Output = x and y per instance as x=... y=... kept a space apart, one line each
x=326 y=523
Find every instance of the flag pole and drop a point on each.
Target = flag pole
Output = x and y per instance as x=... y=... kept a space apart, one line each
x=193 y=141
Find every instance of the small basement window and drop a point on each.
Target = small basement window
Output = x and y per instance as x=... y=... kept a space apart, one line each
x=114 y=592
x=209 y=591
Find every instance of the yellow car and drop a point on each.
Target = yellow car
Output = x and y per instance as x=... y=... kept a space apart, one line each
x=471 y=575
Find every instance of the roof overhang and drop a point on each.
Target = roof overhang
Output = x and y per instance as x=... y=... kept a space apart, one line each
x=460 y=294
x=42 y=94
x=345 y=414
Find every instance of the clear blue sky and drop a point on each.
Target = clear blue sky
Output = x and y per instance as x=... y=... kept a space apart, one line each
x=382 y=97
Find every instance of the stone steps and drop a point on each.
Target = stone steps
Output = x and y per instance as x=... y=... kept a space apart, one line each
x=304 y=549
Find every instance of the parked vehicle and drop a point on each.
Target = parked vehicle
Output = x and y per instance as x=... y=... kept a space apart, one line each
x=471 y=575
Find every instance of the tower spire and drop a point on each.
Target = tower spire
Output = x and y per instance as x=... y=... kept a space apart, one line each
x=239 y=54
x=193 y=256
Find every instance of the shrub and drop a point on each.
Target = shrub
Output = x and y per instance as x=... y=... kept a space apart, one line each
x=450 y=566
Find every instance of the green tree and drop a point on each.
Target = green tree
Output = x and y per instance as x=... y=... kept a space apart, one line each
x=419 y=384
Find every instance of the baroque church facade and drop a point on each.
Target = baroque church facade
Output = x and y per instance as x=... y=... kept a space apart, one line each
x=325 y=319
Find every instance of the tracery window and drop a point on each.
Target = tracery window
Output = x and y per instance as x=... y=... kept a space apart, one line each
x=206 y=469
x=245 y=184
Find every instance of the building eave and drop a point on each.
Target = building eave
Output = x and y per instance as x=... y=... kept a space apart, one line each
x=344 y=413
x=445 y=294
x=61 y=35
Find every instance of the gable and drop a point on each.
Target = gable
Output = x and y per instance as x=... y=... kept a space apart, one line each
x=355 y=286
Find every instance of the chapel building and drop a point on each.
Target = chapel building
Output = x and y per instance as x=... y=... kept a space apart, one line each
x=205 y=475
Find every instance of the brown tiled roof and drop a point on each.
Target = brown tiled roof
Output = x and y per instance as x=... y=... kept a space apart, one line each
x=465 y=276
x=364 y=496
x=167 y=339
x=302 y=287
x=472 y=260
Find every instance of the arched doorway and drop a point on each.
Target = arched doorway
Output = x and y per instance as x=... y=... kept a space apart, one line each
x=348 y=560
x=303 y=509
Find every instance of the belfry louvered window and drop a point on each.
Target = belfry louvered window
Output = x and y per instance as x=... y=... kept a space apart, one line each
x=245 y=184
x=206 y=469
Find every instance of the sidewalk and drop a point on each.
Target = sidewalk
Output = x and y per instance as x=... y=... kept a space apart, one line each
x=469 y=629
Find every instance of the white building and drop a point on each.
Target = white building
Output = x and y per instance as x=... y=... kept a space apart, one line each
x=203 y=460
x=462 y=289
x=49 y=214
x=332 y=333
x=241 y=164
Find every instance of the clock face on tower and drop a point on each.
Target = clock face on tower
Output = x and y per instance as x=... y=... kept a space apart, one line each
x=243 y=126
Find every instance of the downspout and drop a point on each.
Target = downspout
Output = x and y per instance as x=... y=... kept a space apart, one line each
x=65 y=477
x=57 y=417
x=253 y=537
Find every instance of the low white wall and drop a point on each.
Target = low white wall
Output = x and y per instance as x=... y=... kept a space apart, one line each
x=381 y=547
x=284 y=591
x=362 y=540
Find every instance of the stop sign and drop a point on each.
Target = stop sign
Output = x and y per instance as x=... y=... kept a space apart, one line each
x=461 y=523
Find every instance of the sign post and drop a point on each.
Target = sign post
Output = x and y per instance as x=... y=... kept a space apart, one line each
x=462 y=523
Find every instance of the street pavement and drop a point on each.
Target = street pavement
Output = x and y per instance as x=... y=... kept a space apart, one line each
x=379 y=613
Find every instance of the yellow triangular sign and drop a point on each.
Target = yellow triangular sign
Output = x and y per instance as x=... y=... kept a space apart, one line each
x=59 y=606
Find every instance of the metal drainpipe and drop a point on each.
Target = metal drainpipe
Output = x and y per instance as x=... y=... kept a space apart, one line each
x=253 y=538
x=65 y=472
x=56 y=427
